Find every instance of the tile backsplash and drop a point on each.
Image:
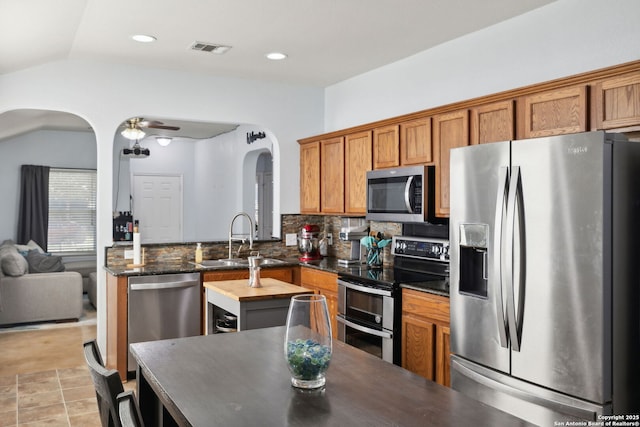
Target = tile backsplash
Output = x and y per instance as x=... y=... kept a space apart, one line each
x=176 y=253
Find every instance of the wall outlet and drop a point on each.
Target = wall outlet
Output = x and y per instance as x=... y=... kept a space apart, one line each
x=291 y=239
x=128 y=254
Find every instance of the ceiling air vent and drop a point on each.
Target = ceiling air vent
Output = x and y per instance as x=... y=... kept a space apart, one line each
x=210 y=47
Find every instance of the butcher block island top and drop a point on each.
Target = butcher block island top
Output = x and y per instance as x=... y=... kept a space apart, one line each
x=271 y=288
x=255 y=308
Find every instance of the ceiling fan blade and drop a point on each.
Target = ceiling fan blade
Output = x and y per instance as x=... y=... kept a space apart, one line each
x=160 y=126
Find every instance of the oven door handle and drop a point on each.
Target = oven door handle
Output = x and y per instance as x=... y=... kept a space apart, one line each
x=340 y=318
x=364 y=289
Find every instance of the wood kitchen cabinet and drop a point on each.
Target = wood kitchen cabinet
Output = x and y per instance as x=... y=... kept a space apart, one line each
x=555 y=112
x=358 y=160
x=332 y=175
x=117 y=323
x=606 y=99
x=415 y=142
x=493 y=122
x=386 y=147
x=310 y=177
x=426 y=335
x=323 y=283
x=617 y=102
x=450 y=130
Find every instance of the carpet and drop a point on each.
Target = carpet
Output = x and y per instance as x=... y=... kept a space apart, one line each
x=88 y=317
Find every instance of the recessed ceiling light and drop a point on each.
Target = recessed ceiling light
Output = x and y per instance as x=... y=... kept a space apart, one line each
x=143 y=38
x=276 y=56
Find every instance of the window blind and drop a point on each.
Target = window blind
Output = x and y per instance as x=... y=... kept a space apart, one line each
x=72 y=210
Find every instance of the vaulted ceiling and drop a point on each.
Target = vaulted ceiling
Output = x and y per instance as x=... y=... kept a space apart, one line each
x=326 y=41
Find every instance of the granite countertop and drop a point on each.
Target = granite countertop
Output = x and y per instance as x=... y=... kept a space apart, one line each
x=183 y=267
x=329 y=264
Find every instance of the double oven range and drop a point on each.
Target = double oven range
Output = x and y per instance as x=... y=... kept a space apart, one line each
x=369 y=300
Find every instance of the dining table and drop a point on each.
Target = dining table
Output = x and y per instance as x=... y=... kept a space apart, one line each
x=242 y=379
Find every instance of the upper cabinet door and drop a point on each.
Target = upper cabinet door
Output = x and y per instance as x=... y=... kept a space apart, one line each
x=618 y=102
x=493 y=122
x=386 y=147
x=358 y=160
x=332 y=175
x=415 y=142
x=450 y=130
x=310 y=177
x=555 y=112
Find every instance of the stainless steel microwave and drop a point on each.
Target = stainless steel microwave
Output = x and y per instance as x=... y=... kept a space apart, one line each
x=399 y=194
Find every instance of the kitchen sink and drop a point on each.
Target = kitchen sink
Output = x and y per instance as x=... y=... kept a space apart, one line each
x=270 y=261
x=235 y=262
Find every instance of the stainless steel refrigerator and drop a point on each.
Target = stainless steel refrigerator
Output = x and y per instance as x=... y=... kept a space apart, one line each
x=545 y=276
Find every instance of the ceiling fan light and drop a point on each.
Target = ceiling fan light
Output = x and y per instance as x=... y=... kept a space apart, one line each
x=133 y=133
x=163 y=140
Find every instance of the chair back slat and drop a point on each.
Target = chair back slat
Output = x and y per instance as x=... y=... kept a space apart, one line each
x=107 y=384
x=129 y=410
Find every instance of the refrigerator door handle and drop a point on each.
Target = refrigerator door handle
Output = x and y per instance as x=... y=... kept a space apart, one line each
x=498 y=255
x=514 y=206
x=584 y=411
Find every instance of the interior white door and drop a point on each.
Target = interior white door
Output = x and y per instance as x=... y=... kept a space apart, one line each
x=157 y=204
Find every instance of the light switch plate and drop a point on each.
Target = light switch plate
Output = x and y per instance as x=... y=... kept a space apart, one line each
x=128 y=254
x=291 y=239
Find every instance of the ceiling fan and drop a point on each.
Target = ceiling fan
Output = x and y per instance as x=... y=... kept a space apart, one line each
x=133 y=127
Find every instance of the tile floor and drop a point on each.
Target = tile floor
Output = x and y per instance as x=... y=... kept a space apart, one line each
x=58 y=397
x=44 y=380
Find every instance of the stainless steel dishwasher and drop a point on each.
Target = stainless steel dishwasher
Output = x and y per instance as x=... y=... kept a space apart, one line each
x=161 y=307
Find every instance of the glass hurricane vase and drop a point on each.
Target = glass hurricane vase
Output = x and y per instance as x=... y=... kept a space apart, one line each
x=307 y=342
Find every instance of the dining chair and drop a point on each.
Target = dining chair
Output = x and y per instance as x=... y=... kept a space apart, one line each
x=107 y=384
x=129 y=410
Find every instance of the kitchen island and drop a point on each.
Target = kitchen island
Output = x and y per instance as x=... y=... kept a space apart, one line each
x=242 y=379
x=254 y=307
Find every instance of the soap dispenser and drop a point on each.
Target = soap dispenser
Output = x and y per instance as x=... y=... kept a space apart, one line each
x=198 y=253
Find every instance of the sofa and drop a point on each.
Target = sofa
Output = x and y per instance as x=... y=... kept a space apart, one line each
x=84 y=267
x=36 y=287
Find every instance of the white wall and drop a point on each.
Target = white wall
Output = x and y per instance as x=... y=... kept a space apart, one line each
x=176 y=159
x=46 y=148
x=564 y=38
x=225 y=183
x=107 y=94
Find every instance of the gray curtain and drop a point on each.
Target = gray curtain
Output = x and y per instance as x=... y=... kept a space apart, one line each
x=33 y=220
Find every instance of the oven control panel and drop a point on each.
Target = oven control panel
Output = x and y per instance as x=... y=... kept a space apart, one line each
x=421 y=247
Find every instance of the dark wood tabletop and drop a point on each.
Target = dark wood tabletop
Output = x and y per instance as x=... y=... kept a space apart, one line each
x=241 y=379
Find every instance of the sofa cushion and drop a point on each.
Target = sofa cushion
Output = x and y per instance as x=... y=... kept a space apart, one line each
x=84 y=267
x=24 y=249
x=44 y=263
x=12 y=263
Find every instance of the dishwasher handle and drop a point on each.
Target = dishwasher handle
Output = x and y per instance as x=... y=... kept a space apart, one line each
x=162 y=285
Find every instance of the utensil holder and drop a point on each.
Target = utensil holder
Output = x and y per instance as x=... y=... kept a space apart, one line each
x=374 y=257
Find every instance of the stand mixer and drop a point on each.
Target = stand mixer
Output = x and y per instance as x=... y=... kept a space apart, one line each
x=308 y=243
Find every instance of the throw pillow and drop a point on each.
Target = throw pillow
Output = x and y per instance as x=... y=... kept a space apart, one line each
x=44 y=263
x=13 y=264
x=24 y=249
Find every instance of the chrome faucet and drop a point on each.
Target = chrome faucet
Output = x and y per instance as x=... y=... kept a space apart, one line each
x=241 y=237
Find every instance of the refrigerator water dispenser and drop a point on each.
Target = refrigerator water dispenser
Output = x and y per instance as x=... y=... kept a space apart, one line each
x=473 y=259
